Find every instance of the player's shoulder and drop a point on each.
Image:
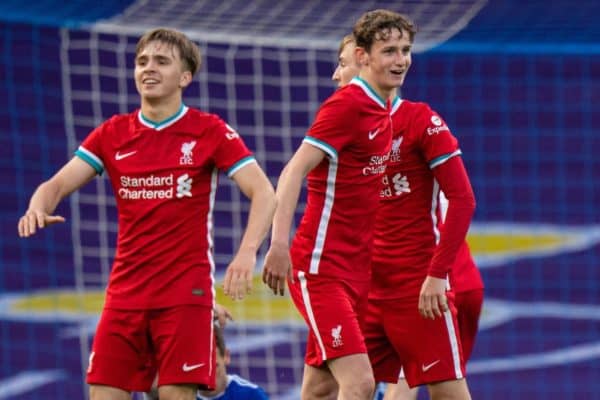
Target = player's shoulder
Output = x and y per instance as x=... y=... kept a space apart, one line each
x=239 y=381
x=123 y=119
x=419 y=117
x=242 y=388
x=204 y=124
x=118 y=126
x=358 y=94
x=415 y=109
x=196 y=115
x=344 y=97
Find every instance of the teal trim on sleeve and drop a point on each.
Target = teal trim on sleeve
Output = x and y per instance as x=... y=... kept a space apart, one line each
x=443 y=158
x=327 y=148
x=93 y=163
x=240 y=164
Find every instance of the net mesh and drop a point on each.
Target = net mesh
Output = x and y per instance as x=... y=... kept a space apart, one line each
x=524 y=115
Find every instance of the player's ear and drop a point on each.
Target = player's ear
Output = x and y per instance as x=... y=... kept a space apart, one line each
x=361 y=55
x=186 y=79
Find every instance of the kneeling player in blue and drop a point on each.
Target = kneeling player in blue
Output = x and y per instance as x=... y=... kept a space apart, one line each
x=230 y=386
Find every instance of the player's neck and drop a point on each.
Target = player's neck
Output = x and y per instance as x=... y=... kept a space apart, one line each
x=384 y=93
x=160 y=109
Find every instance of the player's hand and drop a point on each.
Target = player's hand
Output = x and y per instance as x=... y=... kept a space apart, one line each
x=238 y=277
x=432 y=299
x=35 y=219
x=277 y=267
x=222 y=315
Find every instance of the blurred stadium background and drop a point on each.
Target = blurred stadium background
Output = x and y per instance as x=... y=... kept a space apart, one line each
x=517 y=81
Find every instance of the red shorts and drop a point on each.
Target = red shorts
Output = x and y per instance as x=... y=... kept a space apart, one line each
x=334 y=311
x=131 y=346
x=398 y=337
x=468 y=306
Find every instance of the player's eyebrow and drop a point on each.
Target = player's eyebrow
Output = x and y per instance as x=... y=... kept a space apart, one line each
x=158 y=57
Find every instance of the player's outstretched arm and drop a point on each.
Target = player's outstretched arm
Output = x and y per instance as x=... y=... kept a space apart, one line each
x=46 y=197
x=277 y=261
x=253 y=182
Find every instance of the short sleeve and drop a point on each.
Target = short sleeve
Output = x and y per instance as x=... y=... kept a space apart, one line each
x=438 y=143
x=331 y=131
x=90 y=149
x=231 y=153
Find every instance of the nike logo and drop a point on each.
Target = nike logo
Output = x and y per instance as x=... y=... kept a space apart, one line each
x=373 y=134
x=122 y=156
x=427 y=367
x=188 y=368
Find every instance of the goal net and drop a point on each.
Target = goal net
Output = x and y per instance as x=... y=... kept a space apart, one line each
x=266 y=78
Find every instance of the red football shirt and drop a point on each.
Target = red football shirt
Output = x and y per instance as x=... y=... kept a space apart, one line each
x=334 y=237
x=164 y=177
x=406 y=233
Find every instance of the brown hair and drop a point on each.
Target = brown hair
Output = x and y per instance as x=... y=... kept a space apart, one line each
x=349 y=38
x=188 y=50
x=378 y=24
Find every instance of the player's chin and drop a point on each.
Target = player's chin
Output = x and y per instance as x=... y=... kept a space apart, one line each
x=397 y=80
x=150 y=94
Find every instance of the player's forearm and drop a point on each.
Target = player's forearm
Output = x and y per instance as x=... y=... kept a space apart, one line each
x=262 y=208
x=69 y=178
x=287 y=194
x=46 y=197
x=455 y=184
x=452 y=236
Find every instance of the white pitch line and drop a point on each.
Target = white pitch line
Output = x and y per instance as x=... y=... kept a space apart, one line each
x=568 y=355
x=28 y=381
x=497 y=312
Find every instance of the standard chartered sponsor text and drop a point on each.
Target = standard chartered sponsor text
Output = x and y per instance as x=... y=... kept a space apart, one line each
x=377 y=164
x=145 y=181
x=147 y=187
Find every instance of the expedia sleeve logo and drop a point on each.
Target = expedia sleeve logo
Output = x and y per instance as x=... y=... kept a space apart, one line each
x=439 y=126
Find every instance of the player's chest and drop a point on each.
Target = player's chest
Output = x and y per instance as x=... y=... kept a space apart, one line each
x=373 y=136
x=406 y=154
x=157 y=152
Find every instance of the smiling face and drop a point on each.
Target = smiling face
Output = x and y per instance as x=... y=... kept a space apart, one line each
x=159 y=72
x=386 y=64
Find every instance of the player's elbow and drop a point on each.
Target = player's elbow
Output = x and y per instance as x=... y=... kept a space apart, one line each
x=465 y=201
x=470 y=205
x=470 y=200
x=269 y=201
x=263 y=194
